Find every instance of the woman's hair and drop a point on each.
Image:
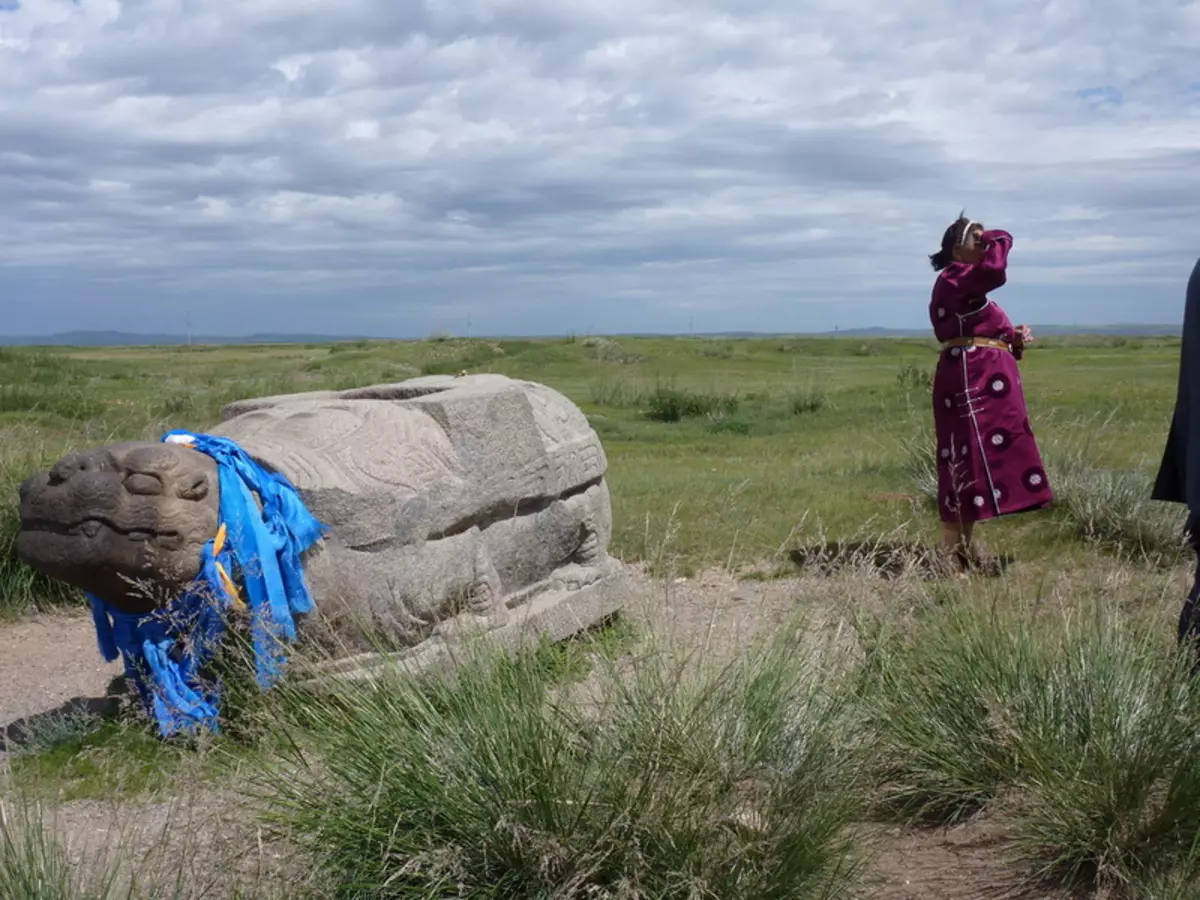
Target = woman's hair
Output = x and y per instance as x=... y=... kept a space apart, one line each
x=950 y=239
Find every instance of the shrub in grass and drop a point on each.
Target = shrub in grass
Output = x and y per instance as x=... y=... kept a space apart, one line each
x=1113 y=509
x=807 y=400
x=50 y=731
x=1086 y=719
x=938 y=696
x=23 y=588
x=340 y=355
x=915 y=378
x=348 y=347
x=764 y=748
x=172 y=407
x=729 y=426
x=715 y=351
x=1109 y=753
x=59 y=400
x=170 y=863
x=1182 y=882
x=33 y=864
x=22 y=367
x=222 y=392
x=616 y=392
x=920 y=465
x=491 y=783
x=474 y=357
x=606 y=350
x=671 y=405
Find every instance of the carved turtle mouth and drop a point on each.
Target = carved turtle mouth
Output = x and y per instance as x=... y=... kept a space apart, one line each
x=92 y=527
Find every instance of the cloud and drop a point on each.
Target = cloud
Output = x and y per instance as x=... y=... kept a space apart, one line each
x=360 y=166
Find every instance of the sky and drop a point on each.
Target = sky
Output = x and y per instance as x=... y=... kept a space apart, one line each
x=404 y=167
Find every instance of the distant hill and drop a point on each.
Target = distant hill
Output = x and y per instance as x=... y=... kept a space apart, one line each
x=129 y=339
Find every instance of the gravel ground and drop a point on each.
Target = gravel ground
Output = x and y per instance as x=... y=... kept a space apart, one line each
x=48 y=665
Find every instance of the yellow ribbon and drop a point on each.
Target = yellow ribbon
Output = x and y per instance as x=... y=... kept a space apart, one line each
x=226 y=581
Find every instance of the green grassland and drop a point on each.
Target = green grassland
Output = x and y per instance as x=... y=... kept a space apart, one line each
x=721 y=452
x=633 y=763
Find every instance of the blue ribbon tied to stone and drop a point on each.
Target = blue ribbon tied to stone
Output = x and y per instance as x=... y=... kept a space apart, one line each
x=265 y=531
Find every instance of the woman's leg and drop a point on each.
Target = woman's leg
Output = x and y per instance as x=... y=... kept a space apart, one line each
x=975 y=555
x=952 y=549
x=956 y=536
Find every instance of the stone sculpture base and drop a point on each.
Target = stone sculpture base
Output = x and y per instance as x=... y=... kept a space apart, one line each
x=557 y=611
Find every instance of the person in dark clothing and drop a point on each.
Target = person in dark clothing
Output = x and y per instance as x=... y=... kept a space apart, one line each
x=1178 y=478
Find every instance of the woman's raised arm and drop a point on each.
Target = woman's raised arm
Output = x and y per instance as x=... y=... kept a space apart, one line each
x=991 y=271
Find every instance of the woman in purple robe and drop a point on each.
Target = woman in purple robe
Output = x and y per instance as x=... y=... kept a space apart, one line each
x=988 y=462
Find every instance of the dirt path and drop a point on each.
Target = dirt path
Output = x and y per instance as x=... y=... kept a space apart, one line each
x=48 y=666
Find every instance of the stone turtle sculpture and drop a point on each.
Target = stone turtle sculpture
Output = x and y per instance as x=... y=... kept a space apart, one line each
x=452 y=501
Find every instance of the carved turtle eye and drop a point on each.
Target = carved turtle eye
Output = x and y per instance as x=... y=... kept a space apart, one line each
x=143 y=485
x=196 y=489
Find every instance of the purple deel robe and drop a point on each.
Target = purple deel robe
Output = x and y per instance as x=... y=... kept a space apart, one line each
x=988 y=462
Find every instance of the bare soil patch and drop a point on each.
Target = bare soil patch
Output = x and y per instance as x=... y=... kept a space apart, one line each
x=49 y=667
x=965 y=862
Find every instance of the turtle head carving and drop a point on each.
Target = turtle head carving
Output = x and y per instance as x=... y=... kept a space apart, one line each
x=122 y=522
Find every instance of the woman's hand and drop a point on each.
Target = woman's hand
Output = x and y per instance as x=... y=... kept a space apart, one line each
x=1022 y=336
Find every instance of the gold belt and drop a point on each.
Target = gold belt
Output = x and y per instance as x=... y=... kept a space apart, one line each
x=976 y=342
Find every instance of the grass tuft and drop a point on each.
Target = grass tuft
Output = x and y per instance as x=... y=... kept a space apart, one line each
x=617 y=392
x=470 y=356
x=1112 y=509
x=1081 y=721
x=35 y=865
x=23 y=589
x=938 y=691
x=668 y=404
x=1109 y=752
x=915 y=378
x=807 y=400
x=674 y=782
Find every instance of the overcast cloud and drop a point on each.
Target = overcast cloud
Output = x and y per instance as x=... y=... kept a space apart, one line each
x=394 y=167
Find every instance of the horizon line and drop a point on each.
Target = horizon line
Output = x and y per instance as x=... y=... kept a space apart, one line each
x=284 y=337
